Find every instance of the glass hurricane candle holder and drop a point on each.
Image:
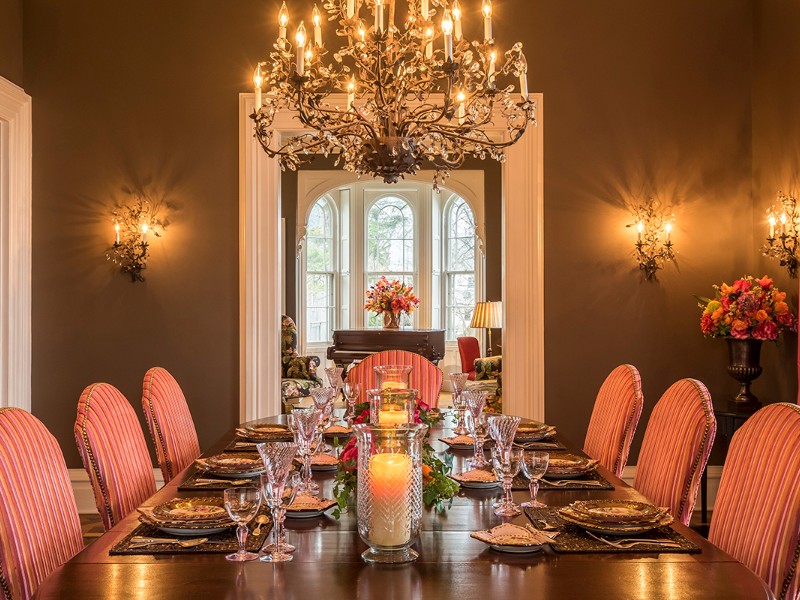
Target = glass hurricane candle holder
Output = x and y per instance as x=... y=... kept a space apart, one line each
x=393 y=376
x=389 y=505
x=391 y=406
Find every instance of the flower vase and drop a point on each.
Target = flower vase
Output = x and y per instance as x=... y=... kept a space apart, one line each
x=389 y=496
x=744 y=366
x=391 y=320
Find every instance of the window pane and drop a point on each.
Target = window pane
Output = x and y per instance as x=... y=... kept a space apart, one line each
x=459 y=269
x=460 y=303
x=319 y=279
x=390 y=236
x=319 y=307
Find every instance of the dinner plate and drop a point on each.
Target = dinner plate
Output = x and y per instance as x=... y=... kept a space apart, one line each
x=232 y=466
x=609 y=529
x=515 y=549
x=191 y=511
x=621 y=512
x=192 y=531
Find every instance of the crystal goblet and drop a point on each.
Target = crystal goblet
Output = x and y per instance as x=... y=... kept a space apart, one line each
x=507 y=463
x=293 y=481
x=475 y=400
x=334 y=375
x=534 y=465
x=277 y=457
x=459 y=381
x=351 y=393
x=502 y=429
x=304 y=426
x=242 y=504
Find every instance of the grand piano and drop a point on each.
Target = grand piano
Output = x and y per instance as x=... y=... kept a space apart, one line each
x=356 y=344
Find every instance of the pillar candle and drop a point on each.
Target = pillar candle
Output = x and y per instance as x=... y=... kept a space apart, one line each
x=396 y=385
x=392 y=417
x=390 y=479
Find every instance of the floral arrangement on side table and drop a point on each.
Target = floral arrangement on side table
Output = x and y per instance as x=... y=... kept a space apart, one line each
x=749 y=309
x=437 y=487
x=391 y=298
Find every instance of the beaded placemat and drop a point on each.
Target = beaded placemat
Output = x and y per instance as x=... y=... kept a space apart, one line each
x=217 y=543
x=573 y=539
x=521 y=482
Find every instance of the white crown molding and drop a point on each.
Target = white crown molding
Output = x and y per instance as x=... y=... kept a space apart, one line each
x=15 y=246
x=260 y=280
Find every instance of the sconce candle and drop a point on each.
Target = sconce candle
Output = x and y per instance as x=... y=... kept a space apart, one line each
x=653 y=243
x=132 y=223
x=782 y=244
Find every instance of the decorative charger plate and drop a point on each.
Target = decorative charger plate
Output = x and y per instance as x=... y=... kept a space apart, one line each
x=265 y=432
x=534 y=431
x=614 y=528
x=567 y=466
x=478 y=479
x=232 y=465
x=191 y=510
x=616 y=511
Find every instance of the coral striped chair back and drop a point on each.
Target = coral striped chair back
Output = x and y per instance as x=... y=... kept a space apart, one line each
x=170 y=422
x=675 y=448
x=425 y=376
x=614 y=418
x=756 y=516
x=39 y=525
x=114 y=452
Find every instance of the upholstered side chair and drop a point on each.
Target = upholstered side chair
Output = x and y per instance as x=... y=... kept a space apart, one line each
x=298 y=373
x=468 y=351
x=616 y=413
x=425 y=376
x=39 y=525
x=756 y=516
x=114 y=452
x=675 y=448
x=169 y=421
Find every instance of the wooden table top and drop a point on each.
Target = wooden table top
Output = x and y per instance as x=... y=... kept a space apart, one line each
x=327 y=564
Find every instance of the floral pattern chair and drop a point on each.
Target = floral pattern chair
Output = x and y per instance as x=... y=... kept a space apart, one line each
x=489 y=377
x=298 y=373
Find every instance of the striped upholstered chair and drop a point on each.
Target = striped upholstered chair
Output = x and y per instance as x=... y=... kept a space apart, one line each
x=756 y=515
x=39 y=525
x=114 y=452
x=425 y=376
x=675 y=448
x=614 y=418
x=169 y=421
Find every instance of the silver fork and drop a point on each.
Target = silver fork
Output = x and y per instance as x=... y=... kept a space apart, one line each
x=626 y=543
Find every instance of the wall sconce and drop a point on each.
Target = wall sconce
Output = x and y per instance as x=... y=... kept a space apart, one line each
x=784 y=227
x=653 y=243
x=132 y=224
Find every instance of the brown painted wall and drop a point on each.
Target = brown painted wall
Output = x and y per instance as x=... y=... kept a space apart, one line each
x=642 y=98
x=776 y=159
x=11 y=40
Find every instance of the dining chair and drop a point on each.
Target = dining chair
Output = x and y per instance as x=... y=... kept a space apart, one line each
x=425 y=377
x=616 y=413
x=114 y=452
x=756 y=517
x=675 y=448
x=169 y=421
x=39 y=525
x=468 y=351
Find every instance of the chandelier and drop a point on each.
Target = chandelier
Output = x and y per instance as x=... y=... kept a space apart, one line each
x=415 y=92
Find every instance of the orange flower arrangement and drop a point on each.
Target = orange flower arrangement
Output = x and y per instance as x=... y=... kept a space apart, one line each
x=391 y=296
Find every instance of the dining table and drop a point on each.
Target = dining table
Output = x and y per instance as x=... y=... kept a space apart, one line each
x=327 y=563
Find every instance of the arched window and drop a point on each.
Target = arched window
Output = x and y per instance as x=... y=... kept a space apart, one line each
x=320 y=273
x=390 y=246
x=459 y=267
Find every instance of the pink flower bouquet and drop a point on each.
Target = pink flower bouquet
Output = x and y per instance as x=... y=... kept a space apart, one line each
x=391 y=296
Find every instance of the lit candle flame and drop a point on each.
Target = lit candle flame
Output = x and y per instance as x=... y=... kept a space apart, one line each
x=300 y=36
x=456 y=10
x=257 y=77
x=315 y=16
x=486 y=9
x=283 y=16
x=447 y=23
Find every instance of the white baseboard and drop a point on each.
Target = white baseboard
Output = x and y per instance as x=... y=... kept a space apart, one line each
x=714 y=473
x=82 y=488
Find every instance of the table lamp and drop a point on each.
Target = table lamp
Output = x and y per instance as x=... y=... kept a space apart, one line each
x=488 y=315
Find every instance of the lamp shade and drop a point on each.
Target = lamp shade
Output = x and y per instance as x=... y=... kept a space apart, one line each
x=487 y=315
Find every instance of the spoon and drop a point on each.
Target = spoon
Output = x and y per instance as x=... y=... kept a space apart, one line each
x=261 y=520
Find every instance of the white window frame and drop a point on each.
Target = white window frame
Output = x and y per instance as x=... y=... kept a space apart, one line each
x=15 y=246
x=522 y=239
x=480 y=283
x=306 y=346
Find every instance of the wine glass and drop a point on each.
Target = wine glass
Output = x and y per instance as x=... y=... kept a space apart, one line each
x=534 y=465
x=507 y=463
x=335 y=377
x=351 y=393
x=502 y=429
x=475 y=400
x=242 y=504
x=304 y=425
x=459 y=381
x=278 y=457
x=287 y=496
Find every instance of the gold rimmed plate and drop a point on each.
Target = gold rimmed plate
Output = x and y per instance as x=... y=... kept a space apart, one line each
x=616 y=511
x=614 y=528
x=202 y=509
x=569 y=466
x=233 y=465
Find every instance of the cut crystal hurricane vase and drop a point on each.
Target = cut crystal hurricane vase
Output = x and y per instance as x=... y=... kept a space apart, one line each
x=389 y=505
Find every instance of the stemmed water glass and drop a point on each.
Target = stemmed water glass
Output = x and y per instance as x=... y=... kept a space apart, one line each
x=324 y=399
x=304 y=423
x=351 y=393
x=534 y=465
x=277 y=457
x=475 y=400
x=507 y=463
x=293 y=481
x=502 y=429
x=335 y=377
x=459 y=381
x=242 y=504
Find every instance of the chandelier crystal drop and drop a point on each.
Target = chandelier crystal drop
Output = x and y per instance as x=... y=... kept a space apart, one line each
x=391 y=97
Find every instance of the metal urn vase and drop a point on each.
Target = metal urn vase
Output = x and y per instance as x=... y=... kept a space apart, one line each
x=744 y=365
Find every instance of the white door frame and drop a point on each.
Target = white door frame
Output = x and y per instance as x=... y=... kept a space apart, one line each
x=260 y=278
x=15 y=246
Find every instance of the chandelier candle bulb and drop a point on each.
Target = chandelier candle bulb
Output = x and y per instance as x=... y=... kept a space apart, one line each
x=317 y=26
x=300 y=38
x=424 y=9
x=447 y=29
x=457 y=20
x=490 y=70
x=487 y=19
x=772 y=227
x=783 y=223
x=390 y=477
x=283 y=21
x=668 y=228
x=257 y=79
x=379 y=16
x=116 y=231
x=639 y=229
x=350 y=8
x=351 y=92
x=144 y=233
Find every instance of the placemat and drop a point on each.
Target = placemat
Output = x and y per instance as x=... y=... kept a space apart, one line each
x=191 y=485
x=217 y=543
x=574 y=539
x=521 y=482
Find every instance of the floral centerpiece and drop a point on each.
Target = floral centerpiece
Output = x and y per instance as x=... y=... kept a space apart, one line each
x=438 y=489
x=749 y=309
x=391 y=298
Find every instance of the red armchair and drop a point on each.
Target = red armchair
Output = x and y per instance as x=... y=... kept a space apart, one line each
x=469 y=350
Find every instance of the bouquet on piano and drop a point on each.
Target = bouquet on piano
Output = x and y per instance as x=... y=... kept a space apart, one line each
x=391 y=297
